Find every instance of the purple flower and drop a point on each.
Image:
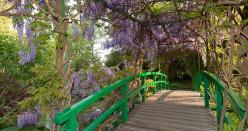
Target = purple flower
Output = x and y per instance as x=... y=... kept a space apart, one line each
x=76 y=79
x=19 y=7
x=77 y=88
x=26 y=6
x=75 y=31
x=108 y=71
x=26 y=58
x=42 y=3
x=123 y=35
x=104 y=79
x=19 y=28
x=54 y=113
x=32 y=54
x=97 y=88
x=93 y=10
x=90 y=78
x=95 y=114
x=89 y=32
x=29 y=33
x=81 y=18
x=29 y=118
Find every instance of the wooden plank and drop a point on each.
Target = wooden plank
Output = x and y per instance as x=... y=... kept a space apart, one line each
x=171 y=111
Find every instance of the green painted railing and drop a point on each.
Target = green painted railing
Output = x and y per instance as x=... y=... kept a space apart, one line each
x=205 y=79
x=68 y=118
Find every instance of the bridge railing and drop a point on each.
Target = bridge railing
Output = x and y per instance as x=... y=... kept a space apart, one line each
x=67 y=119
x=207 y=79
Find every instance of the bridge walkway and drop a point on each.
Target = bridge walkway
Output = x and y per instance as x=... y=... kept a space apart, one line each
x=171 y=110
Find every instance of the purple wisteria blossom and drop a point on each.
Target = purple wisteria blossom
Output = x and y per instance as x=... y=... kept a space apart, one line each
x=97 y=88
x=91 y=116
x=89 y=32
x=108 y=71
x=25 y=57
x=29 y=118
x=90 y=78
x=19 y=23
x=77 y=89
x=54 y=113
x=20 y=27
x=95 y=114
x=29 y=33
x=75 y=31
x=93 y=11
x=42 y=3
x=81 y=18
x=76 y=79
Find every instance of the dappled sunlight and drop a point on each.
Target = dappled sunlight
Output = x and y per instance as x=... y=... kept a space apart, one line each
x=97 y=64
x=173 y=109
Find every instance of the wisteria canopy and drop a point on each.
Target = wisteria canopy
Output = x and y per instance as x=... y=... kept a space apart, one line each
x=149 y=24
x=139 y=30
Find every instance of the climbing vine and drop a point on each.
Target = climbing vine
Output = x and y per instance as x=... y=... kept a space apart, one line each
x=56 y=41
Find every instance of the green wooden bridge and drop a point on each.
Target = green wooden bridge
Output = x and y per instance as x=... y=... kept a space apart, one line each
x=165 y=110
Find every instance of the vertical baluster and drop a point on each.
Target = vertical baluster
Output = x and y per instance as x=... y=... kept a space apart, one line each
x=142 y=91
x=165 y=84
x=197 y=81
x=154 y=89
x=124 y=107
x=156 y=84
x=219 y=99
x=206 y=90
x=70 y=125
x=161 y=84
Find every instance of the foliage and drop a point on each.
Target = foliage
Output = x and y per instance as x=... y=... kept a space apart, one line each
x=84 y=55
x=150 y=89
x=13 y=79
x=6 y=23
x=9 y=60
x=55 y=43
x=225 y=51
x=44 y=88
x=113 y=59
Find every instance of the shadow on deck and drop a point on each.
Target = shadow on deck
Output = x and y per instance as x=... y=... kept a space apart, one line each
x=171 y=110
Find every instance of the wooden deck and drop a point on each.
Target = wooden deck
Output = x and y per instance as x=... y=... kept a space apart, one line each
x=171 y=110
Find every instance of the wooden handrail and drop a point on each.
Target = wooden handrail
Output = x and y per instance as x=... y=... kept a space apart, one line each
x=68 y=118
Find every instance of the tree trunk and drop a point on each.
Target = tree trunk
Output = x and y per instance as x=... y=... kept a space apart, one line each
x=230 y=71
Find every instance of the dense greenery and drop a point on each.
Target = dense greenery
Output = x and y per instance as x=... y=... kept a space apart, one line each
x=48 y=59
x=113 y=59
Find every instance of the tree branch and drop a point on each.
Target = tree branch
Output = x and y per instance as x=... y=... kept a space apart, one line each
x=11 y=8
x=23 y=14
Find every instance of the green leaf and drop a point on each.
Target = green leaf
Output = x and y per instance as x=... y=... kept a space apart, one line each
x=160 y=7
x=39 y=24
x=12 y=128
x=244 y=22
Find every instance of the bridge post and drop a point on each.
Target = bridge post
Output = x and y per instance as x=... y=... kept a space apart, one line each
x=161 y=84
x=142 y=91
x=124 y=107
x=197 y=81
x=165 y=84
x=206 y=90
x=154 y=89
x=219 y=99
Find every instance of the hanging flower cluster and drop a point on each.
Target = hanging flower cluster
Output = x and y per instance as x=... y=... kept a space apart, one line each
x=29 y=118
x=134 y=26
x=86 y=83
x=26 y=58
x=24 y=25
